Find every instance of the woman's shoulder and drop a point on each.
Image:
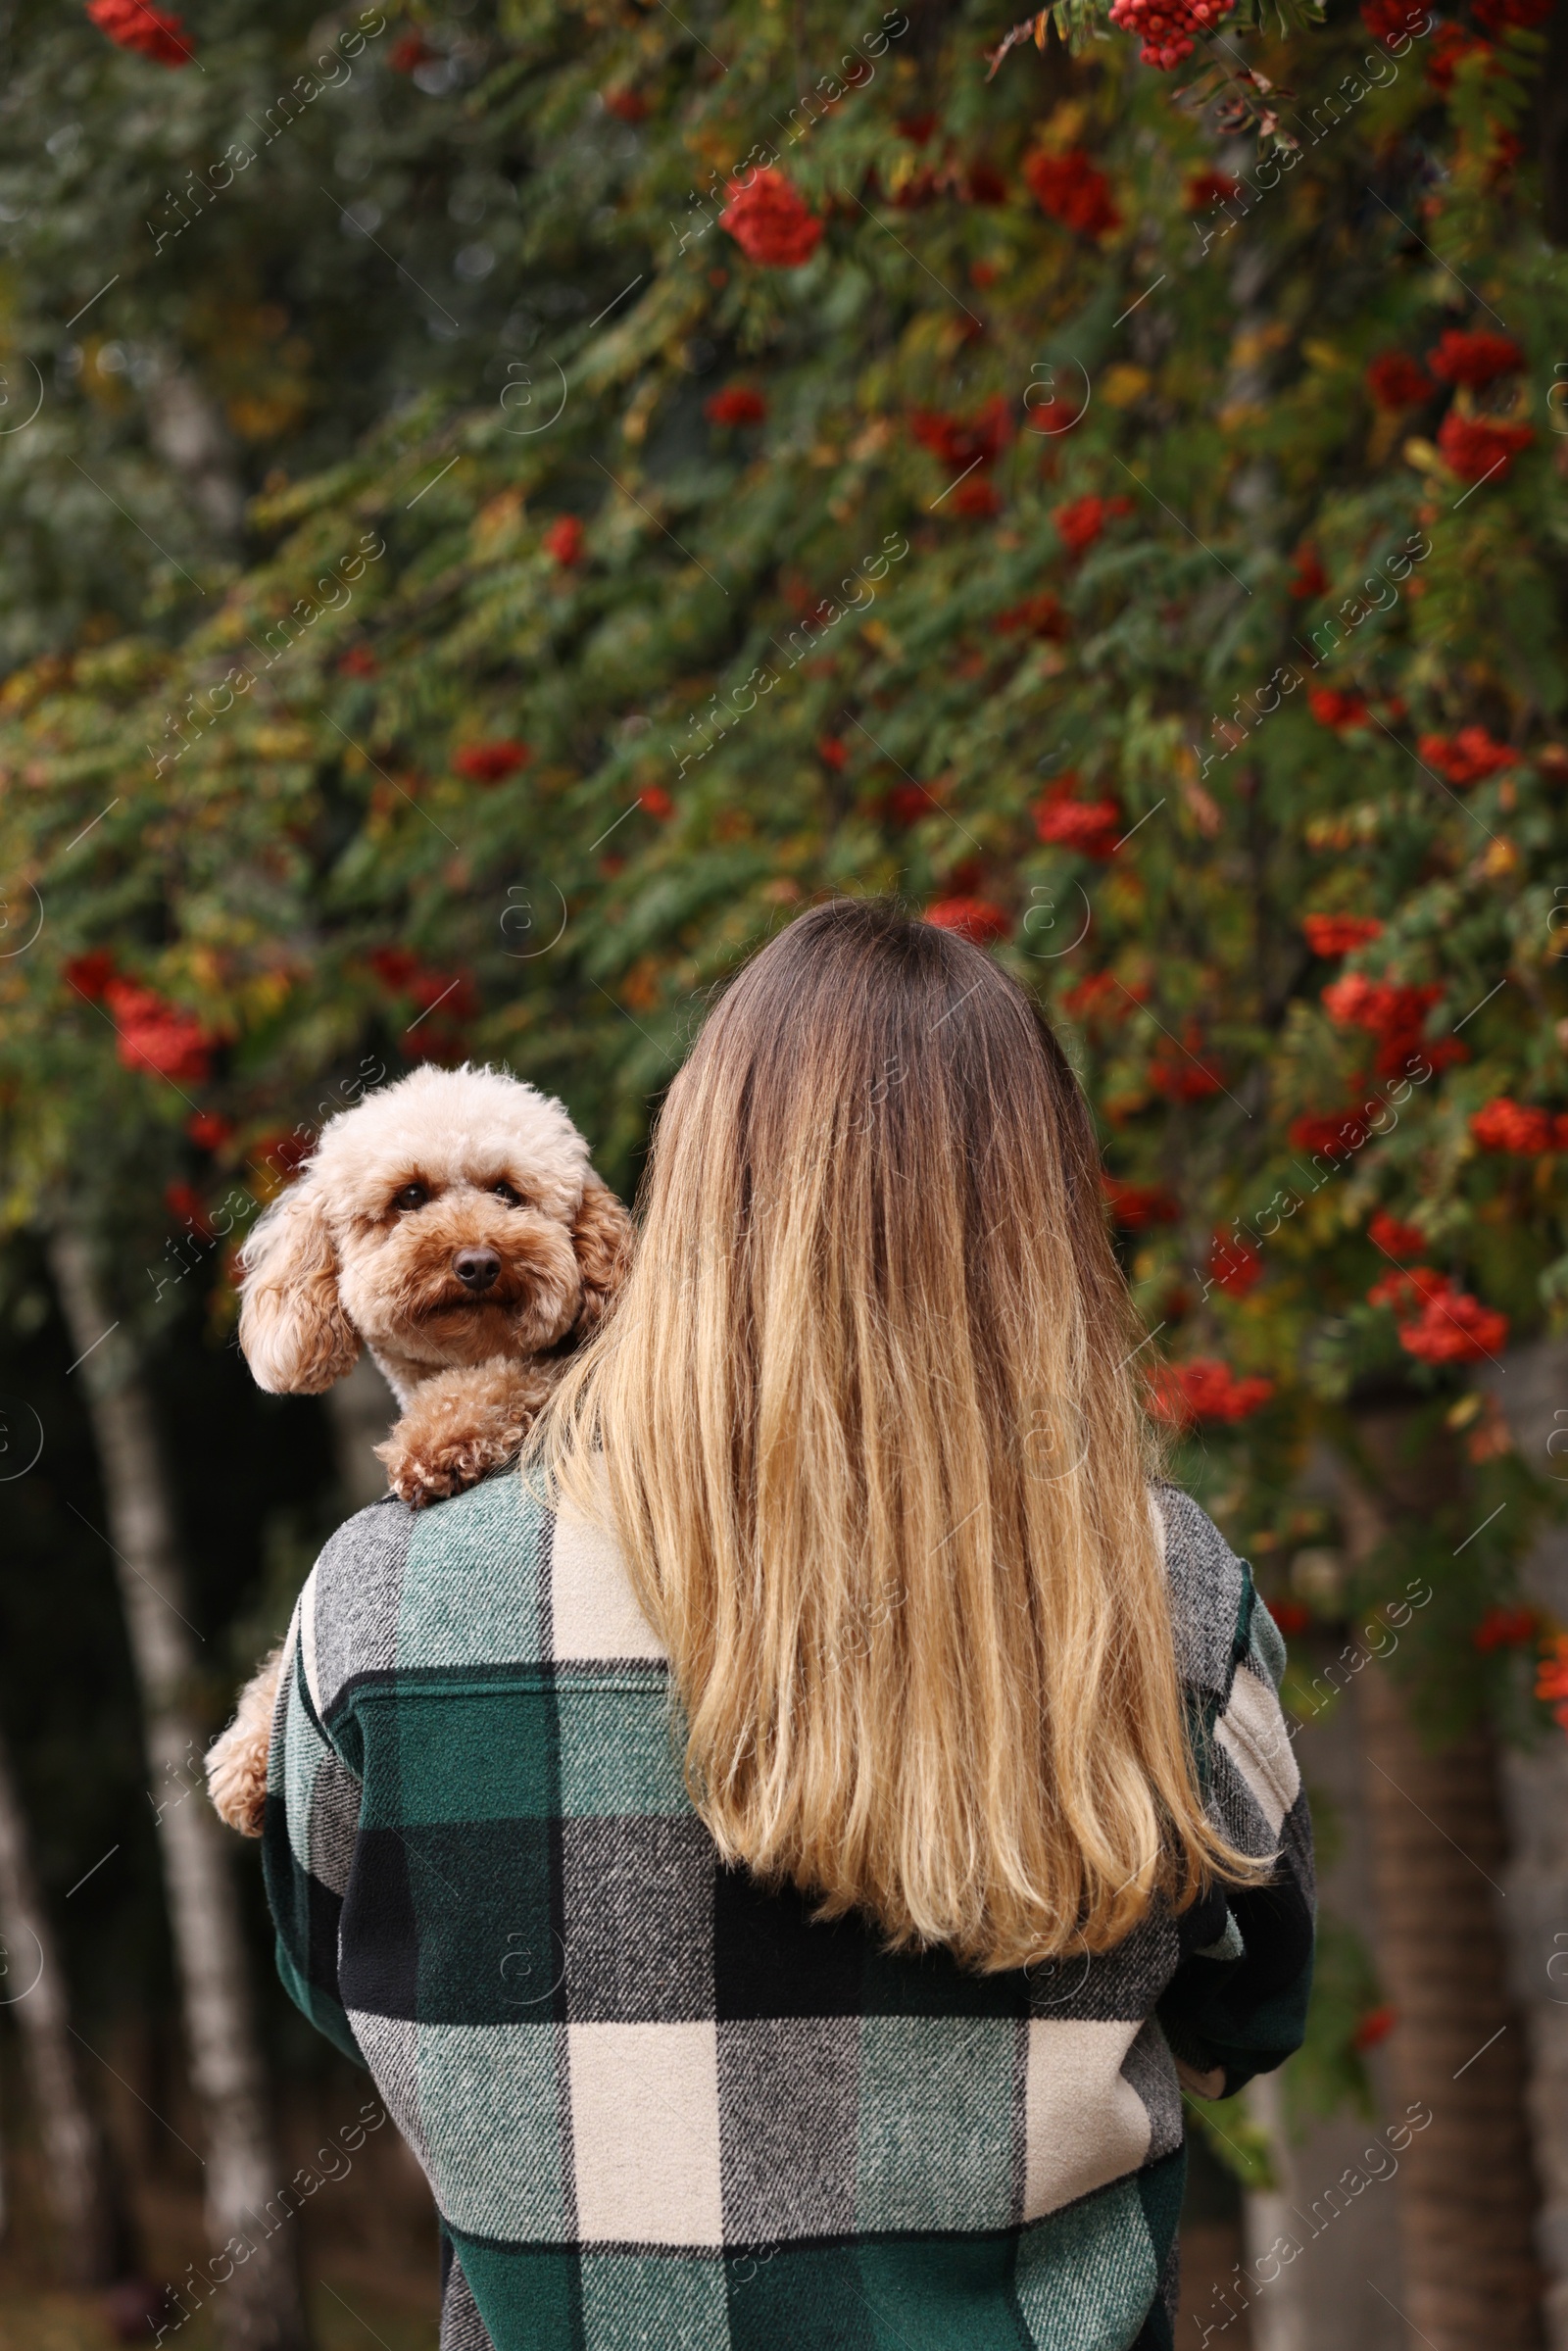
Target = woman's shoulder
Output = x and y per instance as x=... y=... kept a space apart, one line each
x=1216 y=1616
x=488 y=1579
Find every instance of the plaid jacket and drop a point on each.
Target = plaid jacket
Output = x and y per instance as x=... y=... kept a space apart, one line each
x=659 y=2107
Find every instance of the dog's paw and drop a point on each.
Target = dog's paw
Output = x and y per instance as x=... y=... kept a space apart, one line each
x=236 y=1761
x=236 y=1781
x=461 y=1426
x=425 y=1467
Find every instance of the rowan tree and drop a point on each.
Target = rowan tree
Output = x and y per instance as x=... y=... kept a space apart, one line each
x=1116 y=504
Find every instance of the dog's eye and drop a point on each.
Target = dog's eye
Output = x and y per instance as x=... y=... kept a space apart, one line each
x=412 y=1195
x=506 y=1192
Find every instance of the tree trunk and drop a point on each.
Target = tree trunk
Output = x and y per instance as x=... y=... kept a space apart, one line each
x=1467 y=2188
x=260 y=2307
x=91 y=2253
x=1277 y=2315
x=1529 y=1385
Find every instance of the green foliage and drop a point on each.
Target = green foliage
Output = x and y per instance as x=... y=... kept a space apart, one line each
x=198 y=283
x=872 y=639
x=1239 y=2144
x=1329 y=2073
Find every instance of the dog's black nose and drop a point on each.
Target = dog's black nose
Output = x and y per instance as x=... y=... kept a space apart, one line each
x=476 y=1268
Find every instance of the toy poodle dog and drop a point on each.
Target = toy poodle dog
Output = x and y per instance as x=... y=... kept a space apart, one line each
x=452 y=1225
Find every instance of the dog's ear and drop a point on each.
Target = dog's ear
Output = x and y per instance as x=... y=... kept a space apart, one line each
x=602 y=1236
x=293 y=1331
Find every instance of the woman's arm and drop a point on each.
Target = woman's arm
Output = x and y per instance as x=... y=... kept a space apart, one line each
x=1237 y=2005
x=313 y=1813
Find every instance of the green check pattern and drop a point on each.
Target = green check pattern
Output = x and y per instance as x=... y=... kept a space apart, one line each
x=656 y=2105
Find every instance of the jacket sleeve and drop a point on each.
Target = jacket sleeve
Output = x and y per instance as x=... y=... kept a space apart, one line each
x=1236 y=2004
x=311 y=1823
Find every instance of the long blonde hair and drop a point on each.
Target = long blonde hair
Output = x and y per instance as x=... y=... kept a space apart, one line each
x=876 y=1461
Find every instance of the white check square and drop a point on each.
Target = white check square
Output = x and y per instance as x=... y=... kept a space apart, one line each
x=593 y=1614
x=644 y=2134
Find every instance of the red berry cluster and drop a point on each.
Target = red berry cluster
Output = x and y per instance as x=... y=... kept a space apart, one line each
x=154 y=1034
x=1166 y=27
x=1074 y=191
x=130 y=24
x=769 y=221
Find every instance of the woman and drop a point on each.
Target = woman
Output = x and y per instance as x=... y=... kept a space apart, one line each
x=777 y=1889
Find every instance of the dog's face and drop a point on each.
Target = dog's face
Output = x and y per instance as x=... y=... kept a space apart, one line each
x=449 y=1219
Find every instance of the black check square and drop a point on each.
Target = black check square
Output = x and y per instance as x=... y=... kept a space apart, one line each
x=638 y=1897
x=770 y=1958
x=788 y=2103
